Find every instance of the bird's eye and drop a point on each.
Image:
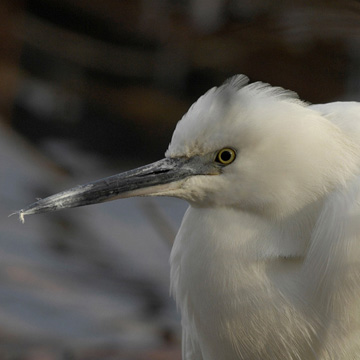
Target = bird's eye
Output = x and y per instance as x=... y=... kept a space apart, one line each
x=225 y=156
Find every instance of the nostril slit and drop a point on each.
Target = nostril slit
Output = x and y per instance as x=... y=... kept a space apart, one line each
x=156 y=172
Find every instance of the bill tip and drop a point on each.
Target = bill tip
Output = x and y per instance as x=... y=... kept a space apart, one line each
x=21 y=215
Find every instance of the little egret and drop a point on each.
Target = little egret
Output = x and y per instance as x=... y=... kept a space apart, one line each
x=266 y=264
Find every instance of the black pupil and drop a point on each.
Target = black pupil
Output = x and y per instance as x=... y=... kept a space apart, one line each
x=225 y=156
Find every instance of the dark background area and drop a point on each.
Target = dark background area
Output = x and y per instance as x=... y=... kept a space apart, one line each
x=116 y=76
x=89 y=88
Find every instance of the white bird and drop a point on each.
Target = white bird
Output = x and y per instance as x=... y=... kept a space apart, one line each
x=266 y=264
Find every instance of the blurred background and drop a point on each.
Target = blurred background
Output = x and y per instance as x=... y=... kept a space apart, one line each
x=90 y=88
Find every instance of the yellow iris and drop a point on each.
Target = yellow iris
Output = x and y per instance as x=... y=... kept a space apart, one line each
x=225 y=156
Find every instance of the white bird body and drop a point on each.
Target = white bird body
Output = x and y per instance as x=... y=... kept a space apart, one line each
x=278 y=280
x=266 y=264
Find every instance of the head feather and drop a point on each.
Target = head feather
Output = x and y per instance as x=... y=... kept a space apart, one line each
x=203 y=126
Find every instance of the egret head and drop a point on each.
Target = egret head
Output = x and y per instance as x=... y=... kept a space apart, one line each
x=286 y=154
x=253 y=147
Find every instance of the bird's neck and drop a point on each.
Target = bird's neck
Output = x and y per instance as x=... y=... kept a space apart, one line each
x=249 y=236
x=223 y=245
x=221 y=265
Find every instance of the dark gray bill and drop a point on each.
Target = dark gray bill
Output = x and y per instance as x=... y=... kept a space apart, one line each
x=150 y=179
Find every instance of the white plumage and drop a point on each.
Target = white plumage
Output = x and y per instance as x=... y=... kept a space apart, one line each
x=266 y=264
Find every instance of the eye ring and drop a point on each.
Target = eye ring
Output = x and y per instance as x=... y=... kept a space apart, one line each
x=225 y=156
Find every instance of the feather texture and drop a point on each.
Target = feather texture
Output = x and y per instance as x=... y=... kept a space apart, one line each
x=266 y=264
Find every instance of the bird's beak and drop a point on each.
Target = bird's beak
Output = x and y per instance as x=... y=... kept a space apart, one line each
x=159 y=178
